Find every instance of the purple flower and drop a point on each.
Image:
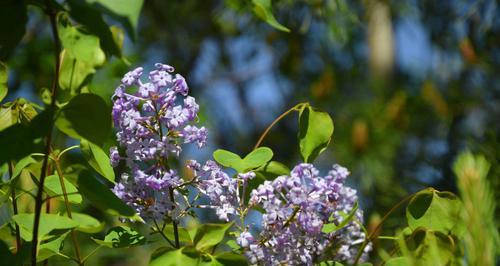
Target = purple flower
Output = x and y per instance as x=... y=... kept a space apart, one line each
x=150 y=130
x=296 y=209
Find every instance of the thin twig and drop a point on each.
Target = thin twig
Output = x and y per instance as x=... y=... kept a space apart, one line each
x=379 y=225
x=14 y=207
x=264 y=134
x=38 y=202
x=68 y=211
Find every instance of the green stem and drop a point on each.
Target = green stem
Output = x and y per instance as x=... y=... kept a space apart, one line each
x=264 y=134
x=68 y=211
x=14 y=207
x=176 y=229
x=163 y=234
x=39 y=201
x=379 y=225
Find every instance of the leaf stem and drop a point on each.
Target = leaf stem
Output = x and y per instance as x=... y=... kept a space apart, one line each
x=174 y=222
x=38 y=201
x=68 y=211
x=264 y=134
x=379 y=225
x=14 y=207
x=163 y=234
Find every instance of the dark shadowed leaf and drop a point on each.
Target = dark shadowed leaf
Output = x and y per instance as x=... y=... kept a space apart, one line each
x=86 y=116
x=13 y=20
x=126 y=13
x=91 y=17
x=121 y=237
x=31 y=134
x=101 y=196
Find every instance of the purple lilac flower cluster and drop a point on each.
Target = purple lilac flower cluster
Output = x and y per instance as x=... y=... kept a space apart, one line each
x=297 y=207
x=220 y=188
x=152 y=123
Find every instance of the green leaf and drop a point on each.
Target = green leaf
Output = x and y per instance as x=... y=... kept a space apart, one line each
x=101 y=196
x=23 y=163
x=398 y=261
x=48 y=222
x=121 y=237
x=79 y=45
x=328 y=228
x=273 y=169
x=183 y=233
x=263 y=9
x=86 y=116
x=209 y=235
x=13 y=20
x=228 y=159
x=315 y=132
x=230 y=259
x=3 y=81
x=80 y=58
x=91 y=17
x=255 y=159
x=428 y=247
x=18 y=111
x=53 y=187
x=125 y=11
x=183 y=256
x=31 y=134
x=435 y=210
x=51 y=248
x=258 y=157
x=6 y=257
x=87 y=223
x=98 y=159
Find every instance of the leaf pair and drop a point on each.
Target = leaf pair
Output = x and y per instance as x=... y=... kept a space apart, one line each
x=255 y=159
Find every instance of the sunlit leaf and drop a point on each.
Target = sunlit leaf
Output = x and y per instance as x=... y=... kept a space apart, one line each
x=48 y=222
x=182 y=256
x=315 y=132
x=209 y=235
x=255 y=159
x=3 y=81
x=98 y=159
x=53 y=187
x=263 y=9
x=87 y=223
x=435 y=210
x=51 y=247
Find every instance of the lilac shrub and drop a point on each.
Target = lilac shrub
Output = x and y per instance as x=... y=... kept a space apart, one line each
x=152 y=123
x=158 y=117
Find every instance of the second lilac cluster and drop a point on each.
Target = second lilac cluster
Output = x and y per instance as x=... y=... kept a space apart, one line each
x=296 y=209
x=153 y=119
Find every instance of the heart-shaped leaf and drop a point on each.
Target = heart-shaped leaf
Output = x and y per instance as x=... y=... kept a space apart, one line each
x=435 y=210
x=255 y=159
x=315 y=132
